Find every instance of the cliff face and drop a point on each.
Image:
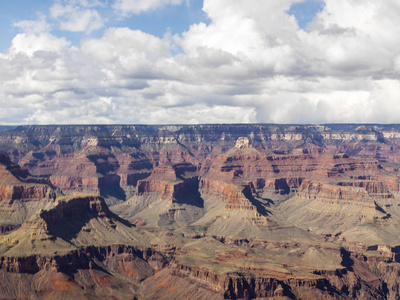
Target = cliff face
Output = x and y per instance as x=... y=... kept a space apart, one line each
x=75 y=208
x=20 y=194
x=83 y=273
x=170 y=182
x=109 y=160
x=133 y=262
x=213 y=211
x=76 y=248
x=26 y=193
x=364 y=193
x=237 y=197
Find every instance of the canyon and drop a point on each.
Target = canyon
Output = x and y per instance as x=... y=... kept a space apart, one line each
x=224 y=211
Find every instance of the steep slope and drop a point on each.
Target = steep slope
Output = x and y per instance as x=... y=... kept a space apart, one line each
x=214 y=211
x=77 y=248
x=168 y=197
x=219 y=203
x=20 y=194
x=346 y=211
x=234 y=207
x=112 y=158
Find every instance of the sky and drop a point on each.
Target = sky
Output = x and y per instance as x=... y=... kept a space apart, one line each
x=195 y=61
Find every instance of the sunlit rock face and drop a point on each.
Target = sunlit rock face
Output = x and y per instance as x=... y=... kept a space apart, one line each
x=200 y=212
x=21 y=194
x=242 y=142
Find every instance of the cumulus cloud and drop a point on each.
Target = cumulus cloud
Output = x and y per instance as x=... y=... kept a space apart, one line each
x=77 y=15
x=128 y=7
x=197 y=113
x=34 y=26
x=251 y=63
x=28 y=44
x=126 y=49
x=298 y=76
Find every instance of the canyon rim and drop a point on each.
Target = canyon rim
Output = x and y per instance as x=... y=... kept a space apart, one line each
x=233 y=211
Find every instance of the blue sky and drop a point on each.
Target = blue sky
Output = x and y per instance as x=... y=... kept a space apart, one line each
x=11 y=12
x=171 y=18
x=305 y=11
x=199 y=61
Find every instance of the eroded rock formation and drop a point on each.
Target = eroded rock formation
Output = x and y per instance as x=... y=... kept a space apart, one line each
x=207 y=211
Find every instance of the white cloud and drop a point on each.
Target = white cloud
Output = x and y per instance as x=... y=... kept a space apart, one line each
x=84 y=20
x=34 y=26
x=251 y=63
x=128 y=53
x=87 y=3
x=128 y=7
x=77 y=15
x=196 y=114
x=28 y=43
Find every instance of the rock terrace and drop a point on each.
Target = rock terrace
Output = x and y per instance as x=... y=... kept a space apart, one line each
x=200 y=212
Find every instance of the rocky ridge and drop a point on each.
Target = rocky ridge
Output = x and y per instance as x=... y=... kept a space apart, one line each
x=21 y=194
x=213 y=211
x=77 y=248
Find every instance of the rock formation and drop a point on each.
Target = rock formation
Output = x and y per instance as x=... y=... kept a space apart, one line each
x=202 y=211
x=20 y=194
x=77 y=248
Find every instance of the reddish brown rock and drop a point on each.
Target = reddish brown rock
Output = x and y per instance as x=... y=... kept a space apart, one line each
x=69 y=275
x=20 y=194
x=361 y=192
x=237 y=197
x=343 y=177
x=170 y=182
x=71 y=173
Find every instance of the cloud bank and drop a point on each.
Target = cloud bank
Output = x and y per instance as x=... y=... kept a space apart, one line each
x=251 y=63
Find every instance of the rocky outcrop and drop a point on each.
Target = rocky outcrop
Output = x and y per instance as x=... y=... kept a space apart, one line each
x=320 y=285
x=137 y=263
x=237 y=285
x=118 y=269
x=26 y=193
x=356 y=192
x=237 y=197
x=170 y=182
x=71 y=173
x=302 y=192
x=70 y=208
x=69 y=184
x=242 y=142
x=391 y=182
x=132 y=167
x=20 y=194
x=279 y=186
x=76 y=158
x=99 y=173
x=375 y=189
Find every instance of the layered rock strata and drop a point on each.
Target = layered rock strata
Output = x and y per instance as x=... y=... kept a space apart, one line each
x=234 y=211
x=20 y=194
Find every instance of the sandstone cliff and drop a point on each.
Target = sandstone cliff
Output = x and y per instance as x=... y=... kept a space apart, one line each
x=213 y=211
x=20 y=194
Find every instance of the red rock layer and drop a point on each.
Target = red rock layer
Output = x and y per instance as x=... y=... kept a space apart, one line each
x=93 y=269
x=237 y=197
x=17 y=184
x=391 y=181
x=373 y=188
x=26 y=193
x=170 y=182
x=325 y=192
x=76 y=208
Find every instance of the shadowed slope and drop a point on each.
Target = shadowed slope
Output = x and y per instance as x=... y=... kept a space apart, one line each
x=80 y=246
x=20 y=194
